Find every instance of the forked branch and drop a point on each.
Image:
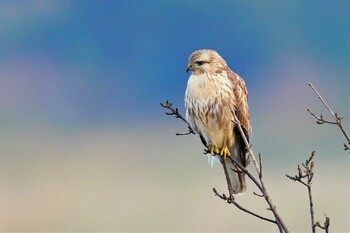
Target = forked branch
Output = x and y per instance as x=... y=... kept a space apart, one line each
x=175 y=112
x=240 y=168
x=258 y=166
x=325 y=225
x=231 y=200
x=306 y=172
x=337 y=119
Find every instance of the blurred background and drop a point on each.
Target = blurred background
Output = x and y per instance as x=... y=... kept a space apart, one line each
x=85 y=145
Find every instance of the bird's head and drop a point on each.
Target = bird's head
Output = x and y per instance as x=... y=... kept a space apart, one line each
x=205 y=60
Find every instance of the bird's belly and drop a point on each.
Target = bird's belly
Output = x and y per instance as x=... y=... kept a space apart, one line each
x=208 y=107
x=213 y=128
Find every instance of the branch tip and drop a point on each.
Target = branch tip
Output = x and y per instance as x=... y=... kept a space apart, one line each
x=320 y=120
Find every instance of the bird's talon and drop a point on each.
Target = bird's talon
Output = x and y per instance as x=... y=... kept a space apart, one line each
x=225 y=152
x=213 y=150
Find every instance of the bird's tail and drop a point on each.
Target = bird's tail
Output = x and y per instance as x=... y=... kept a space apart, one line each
x=235 y=177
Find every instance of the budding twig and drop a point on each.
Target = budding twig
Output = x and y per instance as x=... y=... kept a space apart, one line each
x=325 y=225
x=338 y=119
x=308 y=173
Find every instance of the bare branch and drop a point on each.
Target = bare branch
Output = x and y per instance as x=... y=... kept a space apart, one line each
x=248 y=146
x=175 y=112
x=308 y=174
x=319 y=119
x=190 y=131
x=257 y=194
x=326 y=224
x=308 y=161
x=231 y=200
x=240 y=168
x=322 y=100
x=346 y=147
x=338 y=119
x=279 y=221
x=297 y=178
x=260 y=165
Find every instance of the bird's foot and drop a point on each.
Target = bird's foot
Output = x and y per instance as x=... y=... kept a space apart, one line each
x=225 y=151
x=213 y=150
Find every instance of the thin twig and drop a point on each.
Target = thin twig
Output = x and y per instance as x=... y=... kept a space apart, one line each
x=322 y=100
x=308 y=174
x=231 y=200
x=260 y=165
x=319 y=119
x=326 y=224
x=175 y=112
x=338 y=119
x=257 y=194
x=312 y=212
x=244 y=170
x=248 y=146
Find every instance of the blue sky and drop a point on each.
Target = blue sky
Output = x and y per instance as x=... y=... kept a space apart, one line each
x=113 y=61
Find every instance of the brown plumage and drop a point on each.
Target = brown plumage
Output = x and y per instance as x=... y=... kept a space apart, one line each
x=213 y=91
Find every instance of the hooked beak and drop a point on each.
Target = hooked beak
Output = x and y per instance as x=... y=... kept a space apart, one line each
x=189 y=68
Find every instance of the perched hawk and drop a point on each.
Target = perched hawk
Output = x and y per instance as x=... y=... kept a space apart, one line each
x=213 y=91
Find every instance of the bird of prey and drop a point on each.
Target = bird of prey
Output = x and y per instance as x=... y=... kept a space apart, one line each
x=213 y=92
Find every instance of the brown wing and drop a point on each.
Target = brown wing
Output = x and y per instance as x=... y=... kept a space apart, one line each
x=242 y=113
x=241 y=94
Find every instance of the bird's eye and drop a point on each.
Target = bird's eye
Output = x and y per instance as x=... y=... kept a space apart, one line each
x=200 y=63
